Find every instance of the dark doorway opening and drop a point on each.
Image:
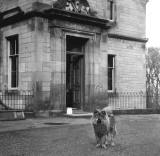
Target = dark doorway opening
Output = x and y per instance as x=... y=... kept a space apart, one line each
x=75 y=48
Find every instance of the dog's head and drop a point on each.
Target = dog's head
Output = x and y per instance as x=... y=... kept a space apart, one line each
x=99 y=116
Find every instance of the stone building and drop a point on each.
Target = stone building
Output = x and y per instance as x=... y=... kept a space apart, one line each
x=74 y=52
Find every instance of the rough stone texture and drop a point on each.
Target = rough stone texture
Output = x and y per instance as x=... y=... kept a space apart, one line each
x=131 y=16
x=133 y=70
x=26 y=50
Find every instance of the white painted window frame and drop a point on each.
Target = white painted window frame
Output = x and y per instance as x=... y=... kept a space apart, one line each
x=112 y=10
x=9 y=63
x=113 y=72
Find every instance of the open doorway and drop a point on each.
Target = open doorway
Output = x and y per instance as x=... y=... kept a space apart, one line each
x=75 y=49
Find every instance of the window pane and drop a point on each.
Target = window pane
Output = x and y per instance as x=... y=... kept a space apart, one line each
x=13 y=59
x=14 y=71
x=14 y=63
x=75 y=44
x=110 y=79
x=110 y=60
x=12 y=47
x=17 y=48
x=13 y=79
x=111 y=68
x=111 y=10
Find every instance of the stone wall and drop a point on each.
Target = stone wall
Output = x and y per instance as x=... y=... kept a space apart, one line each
x=42 y=56
x=130 y=14
x=131 y=18
x=25 y=30
x=36 y=63
x=130 y=64
x=58 y=70
x=130 y=70
x=130 y=74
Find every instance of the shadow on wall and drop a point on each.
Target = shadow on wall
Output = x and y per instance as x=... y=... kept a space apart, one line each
x=97 y=98
x=41 y=100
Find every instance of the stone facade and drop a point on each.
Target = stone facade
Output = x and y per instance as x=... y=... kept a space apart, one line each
x=42 y=49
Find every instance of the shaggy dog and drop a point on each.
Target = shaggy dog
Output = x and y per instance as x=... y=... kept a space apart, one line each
x=104 y=126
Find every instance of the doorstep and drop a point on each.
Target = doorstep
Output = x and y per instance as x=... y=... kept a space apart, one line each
x=79 y=115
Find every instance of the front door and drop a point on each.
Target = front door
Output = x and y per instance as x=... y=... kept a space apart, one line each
x=74 y=80
x=74 y=72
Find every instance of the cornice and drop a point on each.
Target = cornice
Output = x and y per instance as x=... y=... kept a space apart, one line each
x=16 y=15
x=128 y=38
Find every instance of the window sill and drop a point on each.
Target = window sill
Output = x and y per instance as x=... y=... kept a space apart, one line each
x=12 y=91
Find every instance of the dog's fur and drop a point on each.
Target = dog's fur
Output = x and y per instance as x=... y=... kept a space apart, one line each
x=104 y=125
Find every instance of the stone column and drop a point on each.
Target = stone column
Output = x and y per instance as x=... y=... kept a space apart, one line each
x=95 y=75
x=58 y=69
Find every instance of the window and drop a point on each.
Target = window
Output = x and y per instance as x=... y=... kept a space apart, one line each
x=13 y=61
x=112 y=9
x=111 y=72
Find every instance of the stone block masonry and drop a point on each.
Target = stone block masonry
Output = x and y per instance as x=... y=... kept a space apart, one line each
x=130 y=76
x=42 y=50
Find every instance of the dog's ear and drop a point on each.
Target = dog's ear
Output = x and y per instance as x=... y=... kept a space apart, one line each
x=96 y=111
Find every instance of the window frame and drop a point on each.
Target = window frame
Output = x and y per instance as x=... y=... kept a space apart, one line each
x=113 y=68
x=11 y=57
x=112 y=10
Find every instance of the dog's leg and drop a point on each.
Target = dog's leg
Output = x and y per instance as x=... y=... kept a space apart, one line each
x=98 y=142
x=104 y=146
x=103 y=142
x=106 y=142
x=112 y=142
x=98 y=145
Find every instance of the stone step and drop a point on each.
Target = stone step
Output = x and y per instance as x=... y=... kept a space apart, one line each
x=78 y=111
x=79 y=115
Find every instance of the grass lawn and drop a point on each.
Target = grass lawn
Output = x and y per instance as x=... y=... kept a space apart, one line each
x=138 y=135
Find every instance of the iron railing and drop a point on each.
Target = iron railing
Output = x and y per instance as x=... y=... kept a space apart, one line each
x=124 y=100
x=127 y=100
x=25 y=100
x=16 y=100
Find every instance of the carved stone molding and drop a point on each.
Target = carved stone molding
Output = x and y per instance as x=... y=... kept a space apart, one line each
x=77 y=6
